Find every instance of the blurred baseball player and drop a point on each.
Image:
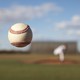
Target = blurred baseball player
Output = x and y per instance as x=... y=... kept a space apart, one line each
x=60 y=51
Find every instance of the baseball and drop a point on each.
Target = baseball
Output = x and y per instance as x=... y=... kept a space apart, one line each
x=20 y=35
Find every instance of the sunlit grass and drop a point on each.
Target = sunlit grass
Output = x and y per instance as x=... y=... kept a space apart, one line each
x=11 y=69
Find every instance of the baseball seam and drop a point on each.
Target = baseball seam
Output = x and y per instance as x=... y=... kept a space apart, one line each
x=19 y=32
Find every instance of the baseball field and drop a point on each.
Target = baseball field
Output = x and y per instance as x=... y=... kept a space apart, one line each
x=39 y=67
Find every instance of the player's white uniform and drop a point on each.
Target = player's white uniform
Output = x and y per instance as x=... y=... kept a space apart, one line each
x=59 y=51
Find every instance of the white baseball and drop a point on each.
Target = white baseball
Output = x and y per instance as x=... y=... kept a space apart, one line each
x=20 y=35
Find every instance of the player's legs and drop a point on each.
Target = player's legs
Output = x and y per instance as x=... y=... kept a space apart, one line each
x=61 y=57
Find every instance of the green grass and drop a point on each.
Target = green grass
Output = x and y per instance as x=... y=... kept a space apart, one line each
x=16 y=71
x=10 y=69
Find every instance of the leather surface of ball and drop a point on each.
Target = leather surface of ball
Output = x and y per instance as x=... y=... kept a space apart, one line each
x=20 y=35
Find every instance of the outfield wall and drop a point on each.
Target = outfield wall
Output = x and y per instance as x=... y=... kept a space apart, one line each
x=48 y=47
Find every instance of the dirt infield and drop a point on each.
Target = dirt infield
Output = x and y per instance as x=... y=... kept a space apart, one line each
x=50 y=61
x=40 y=59
x=54 y=61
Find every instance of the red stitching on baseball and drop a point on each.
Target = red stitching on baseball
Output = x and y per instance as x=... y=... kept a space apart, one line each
x=21 y=31
x=20 y=44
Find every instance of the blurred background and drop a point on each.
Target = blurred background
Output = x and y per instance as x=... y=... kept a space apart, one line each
x=53 y=22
